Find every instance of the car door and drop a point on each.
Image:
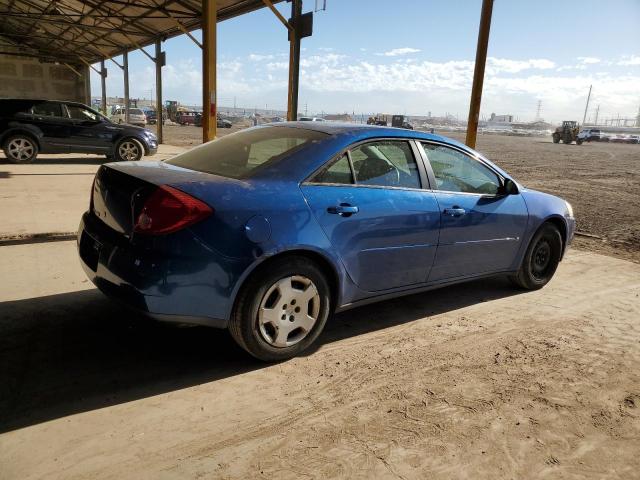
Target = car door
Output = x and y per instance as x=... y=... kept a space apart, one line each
x=481 y=226
x=89 y=131
x=51 y=118
x=371 y=205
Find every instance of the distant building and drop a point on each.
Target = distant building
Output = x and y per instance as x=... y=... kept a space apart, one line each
x=340 y=117
x=500 y=118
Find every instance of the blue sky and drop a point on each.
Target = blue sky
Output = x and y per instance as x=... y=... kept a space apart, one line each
x=416 y=56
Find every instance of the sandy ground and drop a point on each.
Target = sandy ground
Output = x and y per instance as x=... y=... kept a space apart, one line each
x=473 y=381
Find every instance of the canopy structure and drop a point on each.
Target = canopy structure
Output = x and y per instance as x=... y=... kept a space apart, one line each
x=91 y=30
x=85 y=32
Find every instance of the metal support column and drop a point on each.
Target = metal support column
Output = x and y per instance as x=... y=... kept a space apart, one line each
x=294 y=60
x=125 y=67
x=478 y=72
x=86 y=73
x=103 y=87
x=159 y=60
x=209 y=59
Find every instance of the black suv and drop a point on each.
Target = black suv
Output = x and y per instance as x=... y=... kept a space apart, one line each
x=29 y=127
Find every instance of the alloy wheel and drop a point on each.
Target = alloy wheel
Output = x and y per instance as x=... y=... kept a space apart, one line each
x=288 y=311
x=129 y=150
x=20 y=149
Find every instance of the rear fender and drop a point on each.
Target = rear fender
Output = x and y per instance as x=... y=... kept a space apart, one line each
x=20 y=128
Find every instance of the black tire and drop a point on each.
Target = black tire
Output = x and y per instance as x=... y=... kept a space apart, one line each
x=567 y=140
x=541 y=259
x=245 y=325
x=556 y=138
x=579 y=141
x=20 y=148
x=128 y=150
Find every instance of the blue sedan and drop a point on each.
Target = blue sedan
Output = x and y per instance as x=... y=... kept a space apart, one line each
x=268 y=231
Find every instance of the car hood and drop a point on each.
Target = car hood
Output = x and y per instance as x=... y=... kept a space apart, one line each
x=130 y=129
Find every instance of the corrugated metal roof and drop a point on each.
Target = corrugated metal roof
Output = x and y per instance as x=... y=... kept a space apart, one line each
x=67 y=30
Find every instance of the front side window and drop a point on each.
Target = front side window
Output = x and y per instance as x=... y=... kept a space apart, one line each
x=241 y=154
x=80 y=113
x=456 y=172
x=47 y=109
x=386 y=163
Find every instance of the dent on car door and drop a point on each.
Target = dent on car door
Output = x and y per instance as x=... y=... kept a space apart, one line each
x=482 y=227
x=383 y=225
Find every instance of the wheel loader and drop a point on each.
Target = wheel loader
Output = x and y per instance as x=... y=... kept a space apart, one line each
x=568 y=133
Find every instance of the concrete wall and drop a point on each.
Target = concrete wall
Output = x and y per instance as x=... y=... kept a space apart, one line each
x=25 y=77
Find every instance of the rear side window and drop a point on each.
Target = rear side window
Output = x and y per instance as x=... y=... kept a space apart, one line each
x=242 y=154
x=338 y=172
x=47 y=109
x=9 y=108
x=385 y=163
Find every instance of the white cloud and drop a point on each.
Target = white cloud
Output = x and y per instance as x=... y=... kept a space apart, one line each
x=256 y=57
x=277 y=65
x=396 y=52
x=496 y=65
x=589 y=60
x=629 y=60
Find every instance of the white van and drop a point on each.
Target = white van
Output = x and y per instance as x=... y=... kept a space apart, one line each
x=136 y=116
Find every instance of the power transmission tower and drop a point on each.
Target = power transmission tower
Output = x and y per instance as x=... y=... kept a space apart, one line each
x=587 y=105
x=538 y=110
x=596 y=120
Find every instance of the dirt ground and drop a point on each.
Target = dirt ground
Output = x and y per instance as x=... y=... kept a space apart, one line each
x=600 y=180
x=473 y=381
x=480 y=381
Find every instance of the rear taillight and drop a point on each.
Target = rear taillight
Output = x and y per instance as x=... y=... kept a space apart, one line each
x=168 y=210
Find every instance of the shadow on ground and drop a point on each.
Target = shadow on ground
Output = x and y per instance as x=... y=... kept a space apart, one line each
x=64 y=160
x=73 y=352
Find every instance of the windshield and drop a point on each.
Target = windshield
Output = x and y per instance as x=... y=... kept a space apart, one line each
x=242 y=154
x=135 y=111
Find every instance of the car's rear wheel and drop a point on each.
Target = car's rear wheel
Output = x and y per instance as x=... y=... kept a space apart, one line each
x=128 y=150
x=281 y=310
x=20 y=149
x=541 y=259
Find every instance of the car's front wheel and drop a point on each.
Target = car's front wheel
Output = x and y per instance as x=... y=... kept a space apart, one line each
x=541 y=259
x=281 y=310
x=20 y=149
x=128 y=150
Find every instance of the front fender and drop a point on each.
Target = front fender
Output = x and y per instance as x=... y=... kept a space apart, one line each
x=543 y=208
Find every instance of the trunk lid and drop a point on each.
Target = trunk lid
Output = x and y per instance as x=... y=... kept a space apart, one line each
x=120 y=189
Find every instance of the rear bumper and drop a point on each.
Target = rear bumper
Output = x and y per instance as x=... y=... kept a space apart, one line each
x=165 y=287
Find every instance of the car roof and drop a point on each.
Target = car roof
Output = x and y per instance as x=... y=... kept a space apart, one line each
x=364 y=131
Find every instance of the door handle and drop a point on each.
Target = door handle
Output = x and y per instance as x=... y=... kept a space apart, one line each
x=344 y=210
x=454 y=211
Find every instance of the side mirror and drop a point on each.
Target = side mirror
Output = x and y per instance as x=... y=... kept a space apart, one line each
x=510 y=187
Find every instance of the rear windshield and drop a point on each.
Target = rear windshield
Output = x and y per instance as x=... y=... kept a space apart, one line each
x=242 y=154
x=135 y=111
